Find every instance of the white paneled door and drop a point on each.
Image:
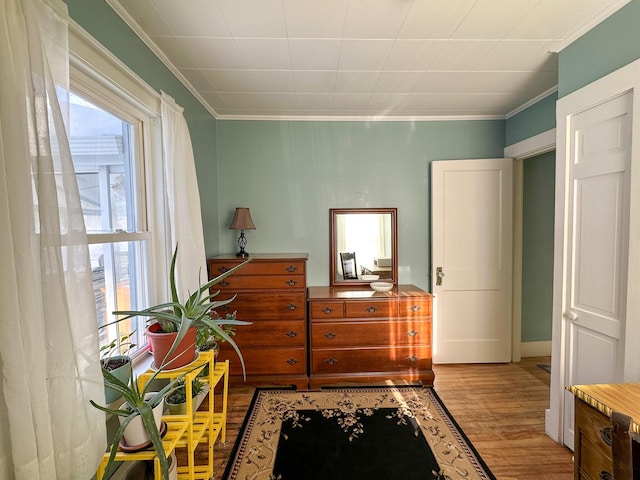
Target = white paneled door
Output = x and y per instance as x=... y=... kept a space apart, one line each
x=597 y=246
x=472 y=260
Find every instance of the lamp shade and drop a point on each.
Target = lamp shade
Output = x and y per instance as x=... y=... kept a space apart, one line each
x=242 y=220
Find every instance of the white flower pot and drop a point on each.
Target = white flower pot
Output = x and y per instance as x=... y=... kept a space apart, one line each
x=135 y=433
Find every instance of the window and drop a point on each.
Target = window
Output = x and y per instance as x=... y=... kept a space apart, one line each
x=109 y=164
x=115 y=140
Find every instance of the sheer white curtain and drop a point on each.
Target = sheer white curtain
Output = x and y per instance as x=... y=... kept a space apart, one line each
x=49 y=364
x=183 y=198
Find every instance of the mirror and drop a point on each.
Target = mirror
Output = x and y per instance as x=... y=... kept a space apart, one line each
x=364 y=241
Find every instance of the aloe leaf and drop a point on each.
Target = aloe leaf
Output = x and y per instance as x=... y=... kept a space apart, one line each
x=111 y=467
x=149 y=422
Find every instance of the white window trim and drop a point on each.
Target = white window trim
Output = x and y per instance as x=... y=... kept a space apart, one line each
x=92 y=65
x=95 y=71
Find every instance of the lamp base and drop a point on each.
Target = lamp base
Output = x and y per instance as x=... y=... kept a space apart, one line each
x=242 y=254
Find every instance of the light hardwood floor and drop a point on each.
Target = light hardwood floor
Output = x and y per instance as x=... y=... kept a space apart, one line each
x=500 y=407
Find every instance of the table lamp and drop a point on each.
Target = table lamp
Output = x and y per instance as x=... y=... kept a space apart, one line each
x=242 y=221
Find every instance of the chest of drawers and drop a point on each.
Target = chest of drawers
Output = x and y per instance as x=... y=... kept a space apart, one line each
x=357 y=335
x=270 y=292
x=592 y=434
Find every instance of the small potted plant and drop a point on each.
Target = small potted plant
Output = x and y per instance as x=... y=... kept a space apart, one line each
x=119 y=365
x=142 y=409
x=176 y=398
x=207 y=338
x=172 y=332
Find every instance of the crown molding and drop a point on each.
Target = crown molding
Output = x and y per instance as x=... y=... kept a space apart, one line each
x=133 y=25
x=359 y=118
x=531 y=102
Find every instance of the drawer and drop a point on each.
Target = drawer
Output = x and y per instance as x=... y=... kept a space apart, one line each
x=415 y=307
x=275 y=305
x=366 y=333
x=236 y=282
x=371 y=309
x=594 y=426
x=257 y=267
x=322 y=310
x=266 y=361
x=592 y=463
x=267 y=333
x=349 y=360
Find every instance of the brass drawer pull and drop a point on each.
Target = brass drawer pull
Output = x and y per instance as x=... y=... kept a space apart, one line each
x=223 y=269
x=224 y=283
x=412 y=333
x=292 y=306
x=372 y=309
x=327 y=310
x=330 y=335
x=416 y=308
x=292 y=334
x=292 y=283
x=292 y=361
x=605 y=435
x=331 y=361
x=412 y=359
x=291 y=268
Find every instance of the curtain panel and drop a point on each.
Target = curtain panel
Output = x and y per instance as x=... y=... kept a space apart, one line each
x=183 y=198
x=49 y=356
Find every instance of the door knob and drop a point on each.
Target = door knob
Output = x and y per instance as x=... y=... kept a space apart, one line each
x=572 y=316
x=439 y=275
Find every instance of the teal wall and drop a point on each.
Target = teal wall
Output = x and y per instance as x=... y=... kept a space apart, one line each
x=97 y=18
x=536 y=119
x=610 y=45
x=291 y=173
x=537 y=247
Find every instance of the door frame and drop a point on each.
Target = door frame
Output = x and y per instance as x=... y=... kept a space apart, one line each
x=537 y=145
x=625 y=79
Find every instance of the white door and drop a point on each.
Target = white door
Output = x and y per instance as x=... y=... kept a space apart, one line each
x=472 y=260
x=597 y=246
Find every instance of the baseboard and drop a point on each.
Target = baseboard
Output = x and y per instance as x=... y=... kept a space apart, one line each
x=535 y=349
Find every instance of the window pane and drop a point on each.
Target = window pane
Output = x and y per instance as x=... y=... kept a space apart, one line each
x=117 y=275
x=101 y=146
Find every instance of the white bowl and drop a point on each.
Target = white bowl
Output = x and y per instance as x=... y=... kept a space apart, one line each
x=381 y=286
x=369 y=278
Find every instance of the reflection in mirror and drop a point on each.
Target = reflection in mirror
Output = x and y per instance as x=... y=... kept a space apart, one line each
x=363 y=245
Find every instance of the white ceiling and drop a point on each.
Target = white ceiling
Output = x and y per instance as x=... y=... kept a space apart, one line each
x=363 y=58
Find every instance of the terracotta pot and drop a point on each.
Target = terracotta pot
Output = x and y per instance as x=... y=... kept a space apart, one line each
x=161 y=342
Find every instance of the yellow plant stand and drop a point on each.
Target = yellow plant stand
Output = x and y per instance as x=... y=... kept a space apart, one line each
x=188 y=431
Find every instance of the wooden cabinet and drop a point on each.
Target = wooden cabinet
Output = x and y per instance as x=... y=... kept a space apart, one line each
x=592 y=442
x=358 y=335
x=271 y=293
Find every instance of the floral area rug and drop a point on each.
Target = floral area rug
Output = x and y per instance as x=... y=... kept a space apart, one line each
x=389 y=433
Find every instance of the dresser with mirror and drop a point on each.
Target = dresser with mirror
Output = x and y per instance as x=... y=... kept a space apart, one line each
x=356 y=334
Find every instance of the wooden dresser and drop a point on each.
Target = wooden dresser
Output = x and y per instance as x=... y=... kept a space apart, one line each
x=271 y=293
x=358 y=335
x=593 y=407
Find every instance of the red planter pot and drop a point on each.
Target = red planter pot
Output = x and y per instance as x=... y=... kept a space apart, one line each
x=161 y=342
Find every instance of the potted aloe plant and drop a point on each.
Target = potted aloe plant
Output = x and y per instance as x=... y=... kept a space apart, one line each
x=119 y=365
x=141 y=406
x=173 y=327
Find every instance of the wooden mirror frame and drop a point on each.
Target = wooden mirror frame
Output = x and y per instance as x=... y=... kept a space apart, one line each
x=334 y=254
